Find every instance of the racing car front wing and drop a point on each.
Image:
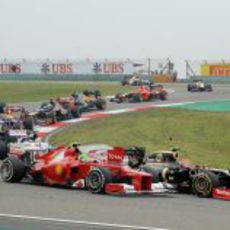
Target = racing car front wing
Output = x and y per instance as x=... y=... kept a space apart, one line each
x=122 y=188
x=221 y=193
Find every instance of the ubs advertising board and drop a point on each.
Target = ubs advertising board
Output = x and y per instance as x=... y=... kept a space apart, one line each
x=218 y=69
x=48 y=67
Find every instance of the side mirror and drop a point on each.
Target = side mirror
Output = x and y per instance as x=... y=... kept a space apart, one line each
x=75 y=145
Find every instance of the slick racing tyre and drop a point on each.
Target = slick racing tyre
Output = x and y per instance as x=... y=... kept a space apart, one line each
x=97 y=179
x=163 y=96
x=28 y=124
x=137 y=97
x=3 y=150
x=50 y=118
x=209 y=88
x=76 y=113
x=119 y=98
x=100 y=104
x=203 y=183
x=12 y=170
x=2 y=106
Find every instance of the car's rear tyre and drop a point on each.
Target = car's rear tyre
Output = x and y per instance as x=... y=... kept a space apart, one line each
x=203 y=183
x=119 y=98
x=76 y=113
x=97 y=93
x=209 y=88
x=50 y=118
x=124 y=82
x=163 y=96
x=101 y=104
x=2 y=106
x=12 y=170
x=3 y=150
x=137 y=97
x=28 y=123
x=97 y=179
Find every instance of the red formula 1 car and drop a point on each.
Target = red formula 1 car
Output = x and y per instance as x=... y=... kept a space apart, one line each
x=99 y=169
x=143 y=93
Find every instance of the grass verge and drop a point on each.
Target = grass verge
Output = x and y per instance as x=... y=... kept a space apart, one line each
x=38 y=91
x=203 y=137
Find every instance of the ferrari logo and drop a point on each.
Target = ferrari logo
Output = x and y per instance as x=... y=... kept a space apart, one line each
x=58 y=169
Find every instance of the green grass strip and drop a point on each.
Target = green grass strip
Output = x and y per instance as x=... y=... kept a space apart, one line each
x=38 y=91
x=202 y=136
x=215 y=106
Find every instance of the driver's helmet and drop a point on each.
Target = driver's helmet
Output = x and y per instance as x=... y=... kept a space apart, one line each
x=97 y=93
x=52 y=101
x=47 y=107
x=143 y=89
x=8 y=112
x=75 y=94
x=86 y=92
x=136 y=156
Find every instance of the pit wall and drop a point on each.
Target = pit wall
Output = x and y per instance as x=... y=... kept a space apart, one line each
x=61 y=77
x=82 y=77
x=67 y=77
x=103 y=77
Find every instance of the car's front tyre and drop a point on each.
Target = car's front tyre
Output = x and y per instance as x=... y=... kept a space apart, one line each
x=97 y=179
x=12 y=170
x=203 y=183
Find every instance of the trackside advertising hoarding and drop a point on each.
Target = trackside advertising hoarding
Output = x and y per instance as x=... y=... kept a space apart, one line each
x=216 y=69
x=64 y=67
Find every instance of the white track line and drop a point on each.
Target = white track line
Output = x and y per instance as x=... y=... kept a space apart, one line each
x=175 y=104
x=86 y=223
x=77 y=120
x=45 y=129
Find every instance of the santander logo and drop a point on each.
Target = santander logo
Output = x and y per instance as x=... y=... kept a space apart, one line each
x=115 y=156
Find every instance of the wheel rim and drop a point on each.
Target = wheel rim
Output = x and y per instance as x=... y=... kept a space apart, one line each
x=6 y=171
x=202 y=186
x=95 y=180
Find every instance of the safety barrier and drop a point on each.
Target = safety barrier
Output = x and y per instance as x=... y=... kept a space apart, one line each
x=65 y=77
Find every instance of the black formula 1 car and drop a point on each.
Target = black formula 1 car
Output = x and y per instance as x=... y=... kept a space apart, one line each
x=199 y=86
x=65 y=108
x=164 y=166
x=14 y=117
x=89 y=100
x=56 y=110
x=14 y=124
x=15 y=139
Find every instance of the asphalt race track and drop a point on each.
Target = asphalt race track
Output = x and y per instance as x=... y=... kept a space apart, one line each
x=178 y=93
x=56 y=208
